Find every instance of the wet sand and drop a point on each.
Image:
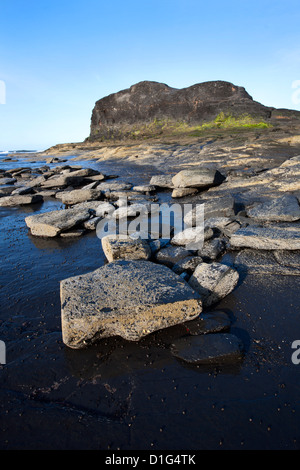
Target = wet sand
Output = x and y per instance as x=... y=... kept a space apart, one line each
x=137 y=396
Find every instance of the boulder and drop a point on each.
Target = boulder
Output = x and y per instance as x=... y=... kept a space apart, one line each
x=125 y=298
x=51 y=224
x=197 y=178
x=80 y=195
x=267 y=238
x=217 y=348
x=116 y=247
x=213 y=281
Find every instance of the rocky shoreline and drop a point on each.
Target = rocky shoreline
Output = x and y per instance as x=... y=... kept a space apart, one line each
x=253 y=214
x=209 y=375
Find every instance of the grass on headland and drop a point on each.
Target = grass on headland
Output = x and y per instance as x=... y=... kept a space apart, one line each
x=222 y=121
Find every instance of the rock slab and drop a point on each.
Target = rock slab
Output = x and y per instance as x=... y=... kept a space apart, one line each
x=267 y=238
x=208 y=349
x=125 y=298
x=52 y=224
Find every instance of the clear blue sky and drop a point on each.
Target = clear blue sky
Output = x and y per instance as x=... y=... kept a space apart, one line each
x=58 y=57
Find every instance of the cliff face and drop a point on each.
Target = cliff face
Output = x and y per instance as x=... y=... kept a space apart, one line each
x=120 y=114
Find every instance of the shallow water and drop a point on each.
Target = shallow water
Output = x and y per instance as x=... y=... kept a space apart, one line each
x=125 y=395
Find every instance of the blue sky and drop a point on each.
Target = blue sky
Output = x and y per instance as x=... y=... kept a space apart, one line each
x=58 y=57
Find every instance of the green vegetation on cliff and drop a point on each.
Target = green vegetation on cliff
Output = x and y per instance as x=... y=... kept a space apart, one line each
x=222 y=121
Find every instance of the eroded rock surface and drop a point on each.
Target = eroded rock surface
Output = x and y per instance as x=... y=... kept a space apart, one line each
x=124 y=298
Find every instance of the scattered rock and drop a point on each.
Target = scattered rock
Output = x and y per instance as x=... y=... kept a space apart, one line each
x=80 y=195
x=20 y=200
x=72 y=233
x=217 y=348
x=213 y=281
x=208 y=322
x=6 y=190
x=22 y=190
x=104 y=208
x=147 y=188
x=51 y=224
x=91 y=224
x=131 y=211
x=212 y=249
x=62 y=181
x=171 y=255
x=125 y=298
x=162 y=181
x=187 y=265
x=197 y=178
x=7 y=181
x=116 y=248
x=193 y=237
x=114 y=186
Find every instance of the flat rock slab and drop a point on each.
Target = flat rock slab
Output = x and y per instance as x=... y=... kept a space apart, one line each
x=208 y=349
x=213 y=281
x=125 y=298
x=20 y=200
x=268 y=262
x=7 y=181
x=80 y=195
x=285 y=208
x=116 y=248
x=52 y=224
x=267 y=238
x=74 y=178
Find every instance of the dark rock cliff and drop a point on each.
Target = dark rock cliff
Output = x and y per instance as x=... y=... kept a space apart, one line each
x=120 y=114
